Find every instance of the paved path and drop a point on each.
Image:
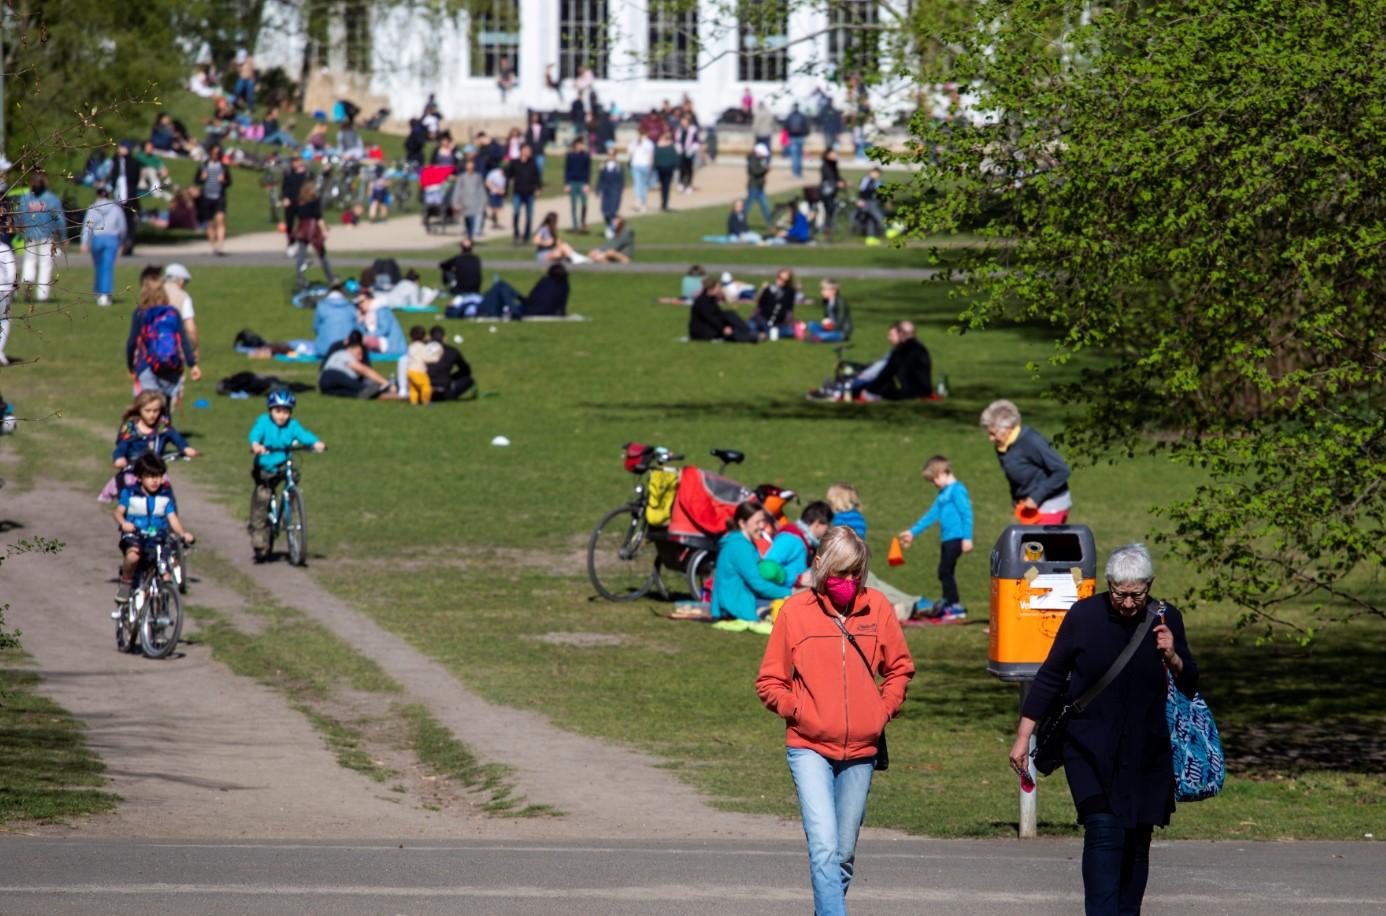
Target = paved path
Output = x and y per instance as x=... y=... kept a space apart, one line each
x=720 y=183
x=902 y=878
x=186 y=734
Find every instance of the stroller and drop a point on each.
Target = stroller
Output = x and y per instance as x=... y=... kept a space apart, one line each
x=435 y=184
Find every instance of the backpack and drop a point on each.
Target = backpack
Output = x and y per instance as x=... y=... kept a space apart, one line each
x=161 y=340
x=389 y=267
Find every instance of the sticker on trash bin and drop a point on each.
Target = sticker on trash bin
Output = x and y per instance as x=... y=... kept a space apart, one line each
x=1053 y=592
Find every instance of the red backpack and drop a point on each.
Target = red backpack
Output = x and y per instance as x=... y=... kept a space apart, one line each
x=161 y=340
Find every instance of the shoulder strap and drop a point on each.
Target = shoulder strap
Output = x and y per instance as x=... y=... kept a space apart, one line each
x=1130 y=649
x=837 y=619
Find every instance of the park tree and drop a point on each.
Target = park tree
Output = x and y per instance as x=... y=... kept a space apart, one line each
x=1193 y=195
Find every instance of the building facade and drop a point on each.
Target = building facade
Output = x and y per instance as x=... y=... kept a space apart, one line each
x=640 y=53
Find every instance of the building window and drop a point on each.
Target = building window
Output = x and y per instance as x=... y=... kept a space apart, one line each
x=495 y=29
x=853 y=39
x=357 y=22
x=673 y=40
x=583 y=37
x=762 y=41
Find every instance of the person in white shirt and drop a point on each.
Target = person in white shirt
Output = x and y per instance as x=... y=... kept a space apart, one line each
x=176 y=280
x=642 y=153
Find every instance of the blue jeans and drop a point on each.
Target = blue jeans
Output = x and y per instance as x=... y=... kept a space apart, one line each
x=104 y=249
x=757 y=195
x=796 y=156
x=245 y=89
x=1116 y=862
x=642 y=174
x=832 y=800
x=539 y=164
x=525 y=201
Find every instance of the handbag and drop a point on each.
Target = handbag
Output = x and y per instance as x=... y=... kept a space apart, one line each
x=1052 y=728
x=882 y=749
x=1194 y=745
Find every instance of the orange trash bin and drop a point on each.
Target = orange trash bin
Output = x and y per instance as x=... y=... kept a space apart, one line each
x=1037 y=572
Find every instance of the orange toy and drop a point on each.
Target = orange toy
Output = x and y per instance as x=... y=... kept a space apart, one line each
x=1025 y=515
x=896 y=555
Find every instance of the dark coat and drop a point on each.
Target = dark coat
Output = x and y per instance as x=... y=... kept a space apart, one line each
x=548 y=297
x=706 y=319
x=611 y=184
x=1033 y=468
x=577 y=168
x=524 y=176
x=776 y=304
x=908 y=373
x=465 y=270
x=1117 y=755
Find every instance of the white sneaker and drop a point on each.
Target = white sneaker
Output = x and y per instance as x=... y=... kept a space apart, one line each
x=103 y=301
x=580 y=258
x=289 y=252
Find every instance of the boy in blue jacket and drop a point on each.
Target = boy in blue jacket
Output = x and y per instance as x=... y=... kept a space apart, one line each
x=270 y=438
x=952 y=509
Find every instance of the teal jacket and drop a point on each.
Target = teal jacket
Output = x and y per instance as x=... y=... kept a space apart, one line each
x=276 y=439
x=737 y=586
x=789 y=551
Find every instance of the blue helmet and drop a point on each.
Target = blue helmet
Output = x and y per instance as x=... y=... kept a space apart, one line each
x=281 y=397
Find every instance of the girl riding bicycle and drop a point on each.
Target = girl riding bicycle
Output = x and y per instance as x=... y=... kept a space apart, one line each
x=270 y=438
x=145 y=428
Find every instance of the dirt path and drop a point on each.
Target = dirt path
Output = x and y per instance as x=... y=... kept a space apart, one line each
x=720 y=183
x=199 y=752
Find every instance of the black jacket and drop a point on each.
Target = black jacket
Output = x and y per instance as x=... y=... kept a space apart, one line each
x=548 y=297
x=706 y=319
x=465 y=270
x=737 y=224
x=776 y=303
x=290 y=186
x=1117 y=754
x=452 y=365
x=131 y=167
x=908 y=373
x=524 y=176
x=1033 y=468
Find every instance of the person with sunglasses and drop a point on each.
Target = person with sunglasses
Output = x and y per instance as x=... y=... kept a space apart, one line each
x=1117 y=750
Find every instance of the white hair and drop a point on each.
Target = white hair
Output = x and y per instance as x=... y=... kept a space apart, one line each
x=1001 y=416
x=1130 y=563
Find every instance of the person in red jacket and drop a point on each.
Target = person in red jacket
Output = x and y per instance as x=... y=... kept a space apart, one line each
x=828 y=644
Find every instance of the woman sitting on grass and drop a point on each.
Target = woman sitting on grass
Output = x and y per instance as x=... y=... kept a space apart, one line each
x=549 y=248
x=739 y=591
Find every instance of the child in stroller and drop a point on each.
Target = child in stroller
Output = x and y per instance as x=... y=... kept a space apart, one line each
x=435 y=181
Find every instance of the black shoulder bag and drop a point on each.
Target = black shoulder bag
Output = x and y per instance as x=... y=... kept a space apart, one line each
x=882 y=750
x=1052 y=728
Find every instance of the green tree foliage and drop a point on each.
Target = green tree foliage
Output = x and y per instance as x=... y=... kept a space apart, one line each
x=1195 y=191
x=79 y=72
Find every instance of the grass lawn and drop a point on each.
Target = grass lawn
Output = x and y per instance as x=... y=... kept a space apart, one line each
x=46 y=772
x=471 y=551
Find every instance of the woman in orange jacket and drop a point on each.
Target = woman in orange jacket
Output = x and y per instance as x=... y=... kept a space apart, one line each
x=819 y=674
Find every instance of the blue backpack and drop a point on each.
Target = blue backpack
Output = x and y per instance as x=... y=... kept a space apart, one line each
x=161 y=340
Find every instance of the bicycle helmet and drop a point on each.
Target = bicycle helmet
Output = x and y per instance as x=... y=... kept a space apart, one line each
x=281 y=397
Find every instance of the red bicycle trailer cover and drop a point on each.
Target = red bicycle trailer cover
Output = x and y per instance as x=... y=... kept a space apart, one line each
x=430 y=175
x=705 y=503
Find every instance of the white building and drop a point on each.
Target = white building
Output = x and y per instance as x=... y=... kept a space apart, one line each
x=640 y=52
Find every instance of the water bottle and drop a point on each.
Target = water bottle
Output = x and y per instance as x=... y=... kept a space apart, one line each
x=943 y=386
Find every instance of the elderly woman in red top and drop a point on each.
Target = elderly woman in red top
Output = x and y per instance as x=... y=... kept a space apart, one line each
x=828 y=644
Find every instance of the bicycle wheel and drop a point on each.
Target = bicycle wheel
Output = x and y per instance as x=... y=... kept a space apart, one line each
x=178 y=564
x=617 y=562
x=295 y=528
x=700 y=566
x=127 y=637
x=162 y=621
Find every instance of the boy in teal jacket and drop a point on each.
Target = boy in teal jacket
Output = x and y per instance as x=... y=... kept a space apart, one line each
x=952 y=509
x=273 y=433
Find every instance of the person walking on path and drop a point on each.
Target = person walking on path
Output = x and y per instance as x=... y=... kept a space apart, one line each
x=125 y=191
x=577 y=181
x=666 y=159
x=289 y=190
x=611 y=186
x=763 y=124
x=796 y=126
x=311 y=230
x=41 y=221
x=757 y=168
x=642 y=153
x=469 y=197
x=525 y=182
x=103 y=233
x=688 y=142
x=1037 y=476
x=1116 y=754
x=828 y=644
x=214 y=177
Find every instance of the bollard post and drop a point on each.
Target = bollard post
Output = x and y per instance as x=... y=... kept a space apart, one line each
x=1028 y=800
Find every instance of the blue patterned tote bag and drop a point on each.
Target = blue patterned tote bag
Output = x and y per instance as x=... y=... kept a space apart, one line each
x=1197 y=749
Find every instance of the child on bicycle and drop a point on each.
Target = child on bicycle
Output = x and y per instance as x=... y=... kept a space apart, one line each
x=271 y=436
x=145 y=428
x=146 y=511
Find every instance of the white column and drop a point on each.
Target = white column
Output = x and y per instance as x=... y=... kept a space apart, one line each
x=538 y=47
x=718 y=88
x=806 y=58
x=626 y=68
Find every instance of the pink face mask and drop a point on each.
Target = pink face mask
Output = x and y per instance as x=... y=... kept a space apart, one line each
x=841 y=590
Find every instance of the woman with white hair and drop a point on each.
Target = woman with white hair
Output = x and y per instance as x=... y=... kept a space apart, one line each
x=1037 y=475
x=828 y=645
x=1117 y=750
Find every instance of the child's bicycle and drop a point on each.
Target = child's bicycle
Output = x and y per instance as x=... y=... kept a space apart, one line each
x=287 y=513
x=625 y=554
x=152 y=618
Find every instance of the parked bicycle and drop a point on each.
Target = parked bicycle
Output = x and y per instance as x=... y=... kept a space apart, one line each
x=626 y=555
x=287 y=513
x=151 y=619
